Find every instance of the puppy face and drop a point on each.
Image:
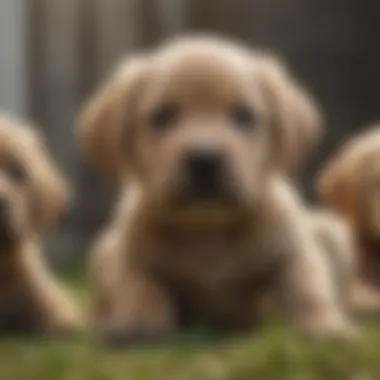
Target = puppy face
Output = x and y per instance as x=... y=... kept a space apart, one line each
x=199 y=123
x=351 y=182
x=202 y=139
x=31 y=191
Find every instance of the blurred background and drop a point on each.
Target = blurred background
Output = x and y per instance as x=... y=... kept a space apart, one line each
x=54 y=52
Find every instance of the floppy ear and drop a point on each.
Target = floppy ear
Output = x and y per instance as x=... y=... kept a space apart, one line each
x=292 y=114
x=108 y=114
x=336 y=184
x=50 y=189
x=339 y=181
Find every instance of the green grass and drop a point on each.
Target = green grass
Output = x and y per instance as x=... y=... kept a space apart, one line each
x=273 y=353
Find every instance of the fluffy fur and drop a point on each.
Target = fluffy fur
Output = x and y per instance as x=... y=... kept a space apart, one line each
x=350 y=184
x=32 y=196
x=169 y=259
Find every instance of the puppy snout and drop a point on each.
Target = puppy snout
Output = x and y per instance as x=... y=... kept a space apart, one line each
x=204 y=163
x=204 y=169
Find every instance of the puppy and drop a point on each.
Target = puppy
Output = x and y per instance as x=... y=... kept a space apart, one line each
x=32 y=195
x=199 y=134
x=349 y=183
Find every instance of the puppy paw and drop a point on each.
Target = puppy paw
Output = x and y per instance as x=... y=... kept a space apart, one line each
x=63 y=324
x=144 y=315
x=138 y=328
x=365 y=300
x=330 y=328
x=118 y=337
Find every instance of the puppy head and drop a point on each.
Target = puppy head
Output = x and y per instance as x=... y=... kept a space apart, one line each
x=199 y=122
x=351 y=182
x=32 y=192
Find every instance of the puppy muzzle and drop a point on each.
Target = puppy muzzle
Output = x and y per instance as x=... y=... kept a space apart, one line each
x=204 y=197
x=204 y=171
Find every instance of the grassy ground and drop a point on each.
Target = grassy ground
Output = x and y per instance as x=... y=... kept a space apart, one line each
x=271 y=354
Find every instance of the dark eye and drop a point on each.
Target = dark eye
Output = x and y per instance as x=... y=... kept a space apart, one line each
x=15 y=171
x=165 y=116
x=243 y=116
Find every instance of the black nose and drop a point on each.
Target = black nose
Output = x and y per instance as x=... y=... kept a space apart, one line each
x=204 y=169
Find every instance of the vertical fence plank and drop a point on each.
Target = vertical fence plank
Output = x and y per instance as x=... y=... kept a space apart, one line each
x=35 y=51
x=61 y=77
x=86 y=48
x=117 y=31
x=90 y=187
x=148 y=22
x=60 y=84
x=13 y=60
x=172 y=16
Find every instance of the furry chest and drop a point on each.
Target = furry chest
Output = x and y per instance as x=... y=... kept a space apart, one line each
x=218 y=290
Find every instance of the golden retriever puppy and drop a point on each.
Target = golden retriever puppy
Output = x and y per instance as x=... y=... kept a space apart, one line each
x=199 y=134
x=350 y=184
x=32 y=195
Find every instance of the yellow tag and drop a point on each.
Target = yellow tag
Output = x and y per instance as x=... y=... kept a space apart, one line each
x=204 y=216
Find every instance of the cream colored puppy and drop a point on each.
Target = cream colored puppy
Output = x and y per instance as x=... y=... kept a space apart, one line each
x=349 y=183
x=198 y=133
x=32 y=196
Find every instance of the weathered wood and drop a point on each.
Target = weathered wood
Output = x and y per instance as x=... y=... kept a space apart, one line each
x=35 y=29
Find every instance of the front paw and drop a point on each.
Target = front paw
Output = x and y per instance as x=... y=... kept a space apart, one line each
x=330 y=328
x=64 y=324
x=121 y=334
x=125 y=336
x=135 y=326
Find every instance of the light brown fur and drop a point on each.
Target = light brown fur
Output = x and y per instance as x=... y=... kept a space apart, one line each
x=158 y=266
x=350 y=184
x=32 y=196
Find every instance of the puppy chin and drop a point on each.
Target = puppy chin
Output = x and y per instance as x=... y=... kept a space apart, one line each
x=179 y=206
x=204 y=216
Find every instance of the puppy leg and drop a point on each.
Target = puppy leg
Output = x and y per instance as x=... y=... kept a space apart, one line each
x=57 y=312
x=54 y=310
x=127 y=305
x=140 y=310
x=306 y=299
x=306 y=291
x=354 y=294
x=336 y=241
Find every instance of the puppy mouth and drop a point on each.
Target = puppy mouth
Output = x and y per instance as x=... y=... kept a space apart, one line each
x=203 y=178
x=204 y=191
x=205 y=204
